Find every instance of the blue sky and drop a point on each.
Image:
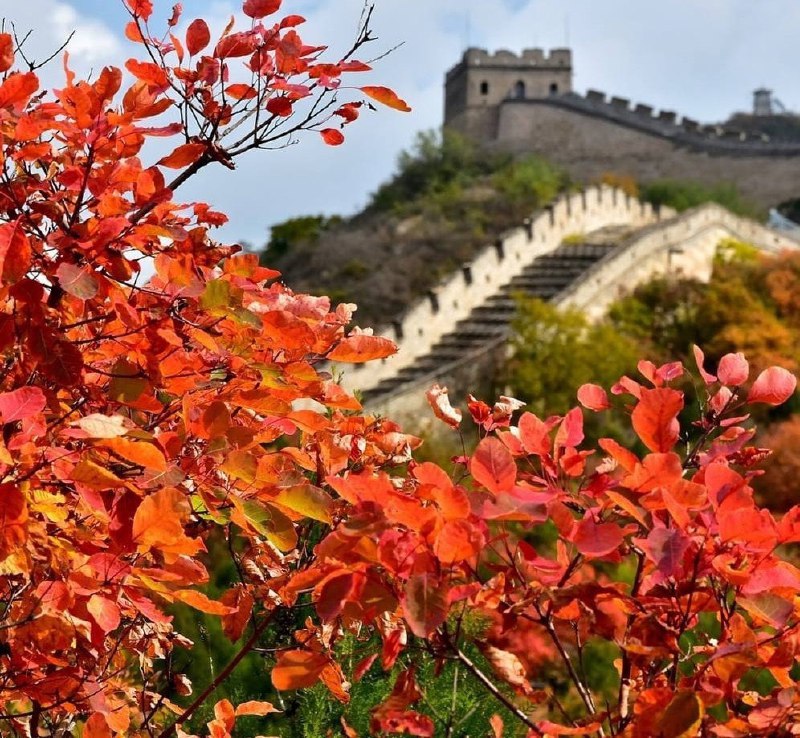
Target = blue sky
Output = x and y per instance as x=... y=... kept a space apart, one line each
x=701 y=58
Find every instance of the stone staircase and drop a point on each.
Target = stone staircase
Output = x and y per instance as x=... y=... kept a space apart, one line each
x=544 y=278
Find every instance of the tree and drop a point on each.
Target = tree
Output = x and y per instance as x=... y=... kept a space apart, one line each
x=146 y=423
x=138 y=419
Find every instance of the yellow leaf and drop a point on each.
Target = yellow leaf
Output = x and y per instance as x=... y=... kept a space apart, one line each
x=682 y=716
x=308 y=500
x=95 y=476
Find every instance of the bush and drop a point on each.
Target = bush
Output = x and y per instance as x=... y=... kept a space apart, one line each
x=682 y=195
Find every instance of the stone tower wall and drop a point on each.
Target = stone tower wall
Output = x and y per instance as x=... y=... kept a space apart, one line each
x=480 y=82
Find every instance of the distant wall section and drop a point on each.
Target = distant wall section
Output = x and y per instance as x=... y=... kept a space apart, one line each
x=589 y=144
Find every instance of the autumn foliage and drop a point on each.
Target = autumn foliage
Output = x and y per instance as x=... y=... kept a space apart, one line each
x=142 y=419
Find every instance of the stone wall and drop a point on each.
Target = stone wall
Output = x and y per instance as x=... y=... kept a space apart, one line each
x=591 y=141
x=426 y=321
x=679 y=245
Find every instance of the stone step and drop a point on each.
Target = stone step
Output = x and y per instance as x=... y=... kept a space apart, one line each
x=544 y=278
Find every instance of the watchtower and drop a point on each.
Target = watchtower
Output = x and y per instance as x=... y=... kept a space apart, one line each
x=481 y=82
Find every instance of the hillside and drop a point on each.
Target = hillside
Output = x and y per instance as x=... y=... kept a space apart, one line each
x=447 y=200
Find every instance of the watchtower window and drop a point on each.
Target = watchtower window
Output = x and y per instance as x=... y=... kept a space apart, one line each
x=484 y=88
x=519 y=90
x=553 y=88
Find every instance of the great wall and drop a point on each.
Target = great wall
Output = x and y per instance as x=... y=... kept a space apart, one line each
x=457 y=335
x=526 y=104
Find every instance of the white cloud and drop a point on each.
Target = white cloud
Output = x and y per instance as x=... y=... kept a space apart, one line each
x=92 y=41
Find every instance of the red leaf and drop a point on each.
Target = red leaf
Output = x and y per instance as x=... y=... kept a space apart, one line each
x=197 y=36
x=406 y=722
x=492 y=466
x=332 y=137
x=140 y=8
x=773 y=386
x=535 y=434
x=424 y=604
x=596 y=540
x=6 y=52
x=387 y=97
x=183 y=156
x=237 y=44
x=261 y=8
x=281 y=106
x=21 y=403
x=333 y=592
x=360 y=347
x=593 y=397
x=655 y=417
x=700 y=358
x=348 y=111
x=665 y=547
x=733 y=370
x=298 y=669
x=15 y=252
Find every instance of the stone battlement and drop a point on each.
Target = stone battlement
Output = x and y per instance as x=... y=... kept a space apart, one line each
x=474 y=57
x=666 y=123
x=524 y=103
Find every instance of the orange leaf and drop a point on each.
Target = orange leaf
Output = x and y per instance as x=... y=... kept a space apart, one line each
x=17 y=89
x=387 y=97
x=458 y=540
x=96 y=727
x=158 y=523
x=331 y=136
x=201 y=602
x=255 y=707
x=298 y=669
x=104 y=611
x=141 y=453
x=655 y=417
x=183 y=156
x=492 y=466
x=360 y=347
x=241 y=603
x=240 y=91
x=148 y=72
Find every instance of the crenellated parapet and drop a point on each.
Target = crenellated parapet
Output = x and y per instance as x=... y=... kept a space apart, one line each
x=457 y=335
x=426 y=321
x=666 y=124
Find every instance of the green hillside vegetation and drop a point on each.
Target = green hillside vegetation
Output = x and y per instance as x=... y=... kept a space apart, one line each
x=446 y=201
